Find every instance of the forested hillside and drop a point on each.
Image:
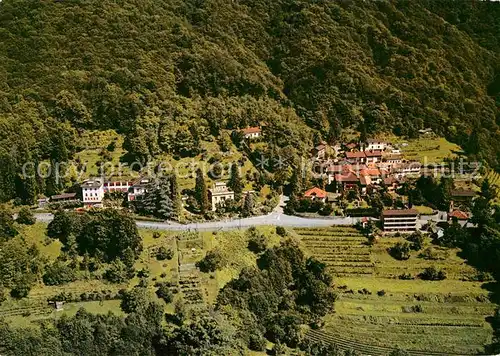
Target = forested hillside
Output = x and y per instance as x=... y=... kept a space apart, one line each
x=169 y=71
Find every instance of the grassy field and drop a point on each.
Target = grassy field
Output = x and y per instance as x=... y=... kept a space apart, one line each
x=28 y=310
x=379 y=309
x=426 y=149
x=92 y=143
x=375 y=309
x=191 y=285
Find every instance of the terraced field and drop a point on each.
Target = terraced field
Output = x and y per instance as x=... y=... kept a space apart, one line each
x=378 y=311
x=344 y=250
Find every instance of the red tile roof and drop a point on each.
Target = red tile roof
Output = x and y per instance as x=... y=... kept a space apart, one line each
x=370 y=172
x=347 y=178
x=373 y=153
x=403 y=212
x=359 y=154
x=315 y=192
x=460 y=215
x=251 y=130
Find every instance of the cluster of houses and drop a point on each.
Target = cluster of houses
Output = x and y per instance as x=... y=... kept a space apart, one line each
x=93 y=192
x=353 y=166
x=358 y=166
x=373 y=165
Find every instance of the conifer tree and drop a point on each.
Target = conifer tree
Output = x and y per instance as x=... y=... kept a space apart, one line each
x=235 y=182
x=165 y=204
x=175 y=196
x=248 y=205
x=201 y=193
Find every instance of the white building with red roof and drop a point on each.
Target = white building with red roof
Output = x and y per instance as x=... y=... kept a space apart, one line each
x=316 y=194
x=252 y=132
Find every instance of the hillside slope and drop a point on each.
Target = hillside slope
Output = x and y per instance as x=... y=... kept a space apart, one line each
x=155 y=69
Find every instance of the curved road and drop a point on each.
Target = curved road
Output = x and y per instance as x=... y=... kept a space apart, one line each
x=275 y=218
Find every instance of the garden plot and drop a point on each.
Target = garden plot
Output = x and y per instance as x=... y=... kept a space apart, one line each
x=343 y=250
x=190 y=249
x=378 y=311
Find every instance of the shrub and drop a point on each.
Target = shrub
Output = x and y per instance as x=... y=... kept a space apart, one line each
x=133 y=300
x=400 y=251
x=256 y=342
x=432 y=274
x=417 y=240
x=212 y=261
x=3 y=296
x=156 y=235
x=21 y=290
x=281 y=231
x=165 y=293
x=118 y=272
x=412 y=309
x=257 y=244
x=143 y=273
x=58 y=273
x=381 y=293
x=405 y=276
x=164 y=253
x=26 y=217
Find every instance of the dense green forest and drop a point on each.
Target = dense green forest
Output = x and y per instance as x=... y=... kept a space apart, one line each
x=168 y=73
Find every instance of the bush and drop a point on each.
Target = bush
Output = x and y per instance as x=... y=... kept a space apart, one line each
x=281 y=231
x=26 y=217
x=164 y=253
x=165 y=293
x=381 y=293
x=257 y=242
x=3 y=296
x=20 y=290
x=405 y=276
x=212 y=261
x=133 y=300
x=432 y=274
x=58 y=273
x=156 y=235
x=118 y=272
x=417 y=240
x=400 y=251
x=256 y=342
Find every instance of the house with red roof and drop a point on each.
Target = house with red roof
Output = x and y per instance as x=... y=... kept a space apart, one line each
x=347 y=181
x=356 y=157
x=316 y=194
x=373 y=156
x=252 y=132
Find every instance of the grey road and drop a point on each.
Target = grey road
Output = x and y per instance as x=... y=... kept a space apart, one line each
x=275 y=218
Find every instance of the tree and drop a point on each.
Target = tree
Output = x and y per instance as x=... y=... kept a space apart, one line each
x=400 y=251
x=281 y=231
x=118 y=272
x=417 y=240
x=58 y=273
x=213 y=260
x=21 y=289
x=108 y=234
x=25 y=217
x=207 y=334
x=134 y=300
x=248 y=205
x=257 y=242
x=7 y=229
x=164 y=254
x=61 y=226
x=488 y=191
x=432 y=274
x=235 y=182
x=201 y=193
x=165 y=293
